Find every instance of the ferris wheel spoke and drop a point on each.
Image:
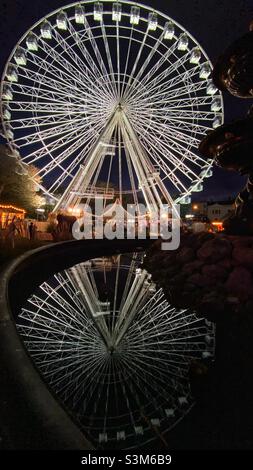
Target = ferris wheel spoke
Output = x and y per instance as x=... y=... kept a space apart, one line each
x=193 y=127
x=44 y=94
x=109 y=58
x=162 y=59
x=77 y=139
x=69 y=355
x=185 y=132
x=49 y=316
x=55 y=323
x=66 y=134
x=162 y=360
x=90 y=139
x=98 y=69
x=71 y=168
x=163 y=322
x=118 y=61
x=149 y=58
x=57 y=108
x=59 y=81
x=171 y=153
x=162 y=83
x=176 y=147
x=191 y=89
x=128 y=394
x=80 y=66
x=142 y=382
x=80 y=366
x=169 y=164
x=174 y=331
x=170 y=133
x=156 y=86
x=192 y=102
x=152 y=392
x=132 y=73
x=64 y=130
x=90 y=406
x=95 y=372
x=97 y=52
x=43 y=330
x=42 y=121
x=67 y=74
x=127 y=61
x=67 y=314
x=65 y=304
x=59 y=377
x=186 y=77
x=158 y=372
x=161 y=98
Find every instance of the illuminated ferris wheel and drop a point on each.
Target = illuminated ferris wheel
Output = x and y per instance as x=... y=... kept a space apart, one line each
x=110 y=98
x=114 y=350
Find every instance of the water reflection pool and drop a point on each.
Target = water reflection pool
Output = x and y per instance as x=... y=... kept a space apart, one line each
x=114 y=351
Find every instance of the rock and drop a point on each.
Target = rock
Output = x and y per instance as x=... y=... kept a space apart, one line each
x=242 y=241
x=240 y=284
x=195 y=279
x=232 y=300
x=202 y=281
x=212 y=274
x=214 y=250
x=171 y=270
x=167 y=261
x=226 y=263
x=185 y=255
x=196 y=240
x=178 y=279
x=214 y=271
x=195 y=265
x=188 y=287
x=243 y=255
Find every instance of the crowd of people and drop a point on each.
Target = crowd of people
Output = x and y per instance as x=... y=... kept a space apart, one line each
x=19 y=228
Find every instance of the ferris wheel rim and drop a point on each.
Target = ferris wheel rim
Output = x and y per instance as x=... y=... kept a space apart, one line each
x=83 y=2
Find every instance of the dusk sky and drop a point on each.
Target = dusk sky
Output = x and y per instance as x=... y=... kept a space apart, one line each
x=214 y=23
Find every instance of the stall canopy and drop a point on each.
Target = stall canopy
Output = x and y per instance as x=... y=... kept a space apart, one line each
x=7 y=212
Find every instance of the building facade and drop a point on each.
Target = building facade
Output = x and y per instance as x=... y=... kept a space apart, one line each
x=219 y=211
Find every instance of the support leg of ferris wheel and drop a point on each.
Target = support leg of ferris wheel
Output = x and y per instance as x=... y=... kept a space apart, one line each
x=148 y=180
x=84 y=175
x=91 y=303
x=138 y=169
x=141 y=163
x=135 y=297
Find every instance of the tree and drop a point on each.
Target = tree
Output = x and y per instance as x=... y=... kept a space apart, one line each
x=17 y=189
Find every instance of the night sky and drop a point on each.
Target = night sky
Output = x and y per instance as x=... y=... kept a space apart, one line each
x=214 y=23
